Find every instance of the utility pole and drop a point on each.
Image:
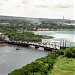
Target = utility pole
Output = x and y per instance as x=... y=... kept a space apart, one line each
x=63 y=17
x=70 y=44
x=60 y=44
x=65 y=43
x=33 y=68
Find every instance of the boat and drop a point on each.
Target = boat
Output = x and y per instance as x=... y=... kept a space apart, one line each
x=18 y=48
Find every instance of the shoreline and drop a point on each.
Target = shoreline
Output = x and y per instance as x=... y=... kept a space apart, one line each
x=54 y=30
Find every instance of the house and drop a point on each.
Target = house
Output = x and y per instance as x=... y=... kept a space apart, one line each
x=43 y=29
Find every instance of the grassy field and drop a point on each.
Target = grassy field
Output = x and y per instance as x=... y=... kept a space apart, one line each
x=63 y=66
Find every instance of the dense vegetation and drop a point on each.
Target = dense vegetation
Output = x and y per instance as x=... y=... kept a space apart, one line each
x=41 y=66
x=55 y=26
x=34 y=23
x=53 y=64
x=70 y=52
x=13 y=34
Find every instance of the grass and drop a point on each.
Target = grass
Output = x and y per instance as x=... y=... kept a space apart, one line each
x=63 y=66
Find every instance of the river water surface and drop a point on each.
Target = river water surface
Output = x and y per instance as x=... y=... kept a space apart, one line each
x=69 y=36
x=11 y=59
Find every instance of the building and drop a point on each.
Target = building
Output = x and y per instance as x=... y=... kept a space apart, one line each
x=5 y=24
x=41 y=29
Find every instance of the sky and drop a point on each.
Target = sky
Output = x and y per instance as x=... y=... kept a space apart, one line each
x=53 y=9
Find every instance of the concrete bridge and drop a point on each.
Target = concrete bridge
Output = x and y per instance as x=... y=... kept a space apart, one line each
x=45 y=46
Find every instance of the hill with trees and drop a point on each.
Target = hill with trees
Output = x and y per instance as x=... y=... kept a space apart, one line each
x=30 y=23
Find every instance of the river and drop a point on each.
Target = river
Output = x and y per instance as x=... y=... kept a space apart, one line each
x=11 y=59
x=69 y=36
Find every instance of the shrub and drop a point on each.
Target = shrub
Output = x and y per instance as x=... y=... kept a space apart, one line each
x=60 y=52
x=73 y=52
x=70 y=52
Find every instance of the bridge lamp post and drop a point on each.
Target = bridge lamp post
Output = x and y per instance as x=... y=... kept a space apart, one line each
x=33 y=68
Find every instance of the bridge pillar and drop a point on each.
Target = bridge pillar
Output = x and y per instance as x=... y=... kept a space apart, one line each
x=36 y=46
x=26 y=45
x=48 y=49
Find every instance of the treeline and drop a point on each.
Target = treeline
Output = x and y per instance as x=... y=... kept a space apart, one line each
x=44 y=65
x=13 y=34
x=29 y=25
x=55 y=26
x=26 y=36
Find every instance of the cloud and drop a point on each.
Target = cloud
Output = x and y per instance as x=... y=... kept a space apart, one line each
x=54 y=4
x=0 y=4
x=25 y=2
x=42 y=6
x=63 y=6
x=36 y=8
x=5 y=0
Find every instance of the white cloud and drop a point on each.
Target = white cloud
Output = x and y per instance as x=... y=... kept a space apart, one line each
x=37 y=8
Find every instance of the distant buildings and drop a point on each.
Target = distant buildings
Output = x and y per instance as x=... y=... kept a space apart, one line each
x=41 y=29
x=5 y=24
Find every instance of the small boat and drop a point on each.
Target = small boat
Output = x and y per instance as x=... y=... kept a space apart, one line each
x=18 y=49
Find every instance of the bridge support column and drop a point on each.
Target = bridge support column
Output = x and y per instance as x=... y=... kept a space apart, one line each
x=48 y=48
x=36 y=47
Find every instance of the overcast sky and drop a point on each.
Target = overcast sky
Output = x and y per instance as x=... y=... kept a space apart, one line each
x=38 y=8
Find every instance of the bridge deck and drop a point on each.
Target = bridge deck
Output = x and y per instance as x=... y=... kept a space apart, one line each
x=36 y=44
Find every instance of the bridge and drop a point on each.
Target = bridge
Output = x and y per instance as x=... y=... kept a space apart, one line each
x=45 y=46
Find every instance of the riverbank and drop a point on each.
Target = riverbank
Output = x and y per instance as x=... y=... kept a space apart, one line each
x=61 y=62
x=13 y=34
x=41 y=66
x=27 y=36
x=56 y=30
